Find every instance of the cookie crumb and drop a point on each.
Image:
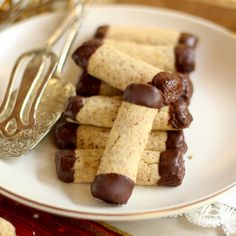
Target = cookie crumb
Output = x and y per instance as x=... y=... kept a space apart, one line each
x=190 y=157
x=6 y=228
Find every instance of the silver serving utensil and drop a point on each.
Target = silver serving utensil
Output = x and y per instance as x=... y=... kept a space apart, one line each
x=20 y=129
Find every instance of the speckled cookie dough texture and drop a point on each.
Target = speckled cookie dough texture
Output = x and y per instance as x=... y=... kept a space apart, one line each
x=6 y=228
x=91 y=137
x=90 y=159
x=118 y=69
x=101 y=111
x=73 y=136
x=70 y=136
x=89 y=86
x=162 y=57
x=118 y=168
x=146 y=35
x=155 y=168
x=180 y=58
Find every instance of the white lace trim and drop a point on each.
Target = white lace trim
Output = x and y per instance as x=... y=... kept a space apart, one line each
x=215 y=215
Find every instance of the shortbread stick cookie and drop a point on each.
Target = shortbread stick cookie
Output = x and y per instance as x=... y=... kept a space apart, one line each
x=117 y=172
x=145 y=35
x=101 y=111
x=73 y=136
x=119 y=69
x=6 y=228
x=81 y=166
x=161 y=57
x=89 y=86
x=98 y=111
x=167 y=58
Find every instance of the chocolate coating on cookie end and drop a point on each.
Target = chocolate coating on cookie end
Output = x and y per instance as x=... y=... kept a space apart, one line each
x=171 y=168
x=101 y=32
x=144 y=95
x=112 y=188
x=65 y=135
x=180 y=116
x=187 y=87
x=85 y=51
x=65 y=160
x=188 y=40
x=184 y=58
x=170 y=86
x=176 y=140
x=88 y=85
x=73 y=106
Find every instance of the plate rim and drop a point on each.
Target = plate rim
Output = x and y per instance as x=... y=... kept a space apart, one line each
x=150 y=214
x=136 y=215
x=141 y=7
x=195 y=18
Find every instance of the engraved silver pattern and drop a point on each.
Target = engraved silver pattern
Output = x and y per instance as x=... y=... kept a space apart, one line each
x=49 y=111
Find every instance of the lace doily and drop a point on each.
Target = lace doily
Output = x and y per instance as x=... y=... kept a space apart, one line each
x=214 y=215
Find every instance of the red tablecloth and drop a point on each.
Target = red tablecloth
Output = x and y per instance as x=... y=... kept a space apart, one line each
x=29 y=221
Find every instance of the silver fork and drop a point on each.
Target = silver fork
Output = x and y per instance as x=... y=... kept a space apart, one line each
x=16 y=121
x=39 y=69
x=46 y=110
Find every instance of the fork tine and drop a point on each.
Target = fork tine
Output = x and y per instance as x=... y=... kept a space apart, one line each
x=70 y=19
x=28 y=82
x=27 y=91
x=73 y=30
x=9 y=89
x=42 y=87
x=32 y=80
x=30 y=77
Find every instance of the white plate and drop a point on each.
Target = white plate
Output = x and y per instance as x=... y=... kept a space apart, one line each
x=211 y=137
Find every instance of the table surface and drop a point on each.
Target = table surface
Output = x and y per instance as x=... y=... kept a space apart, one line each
x=219 y=11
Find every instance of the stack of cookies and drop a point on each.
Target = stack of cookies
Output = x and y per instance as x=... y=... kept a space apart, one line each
x=125 y=126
